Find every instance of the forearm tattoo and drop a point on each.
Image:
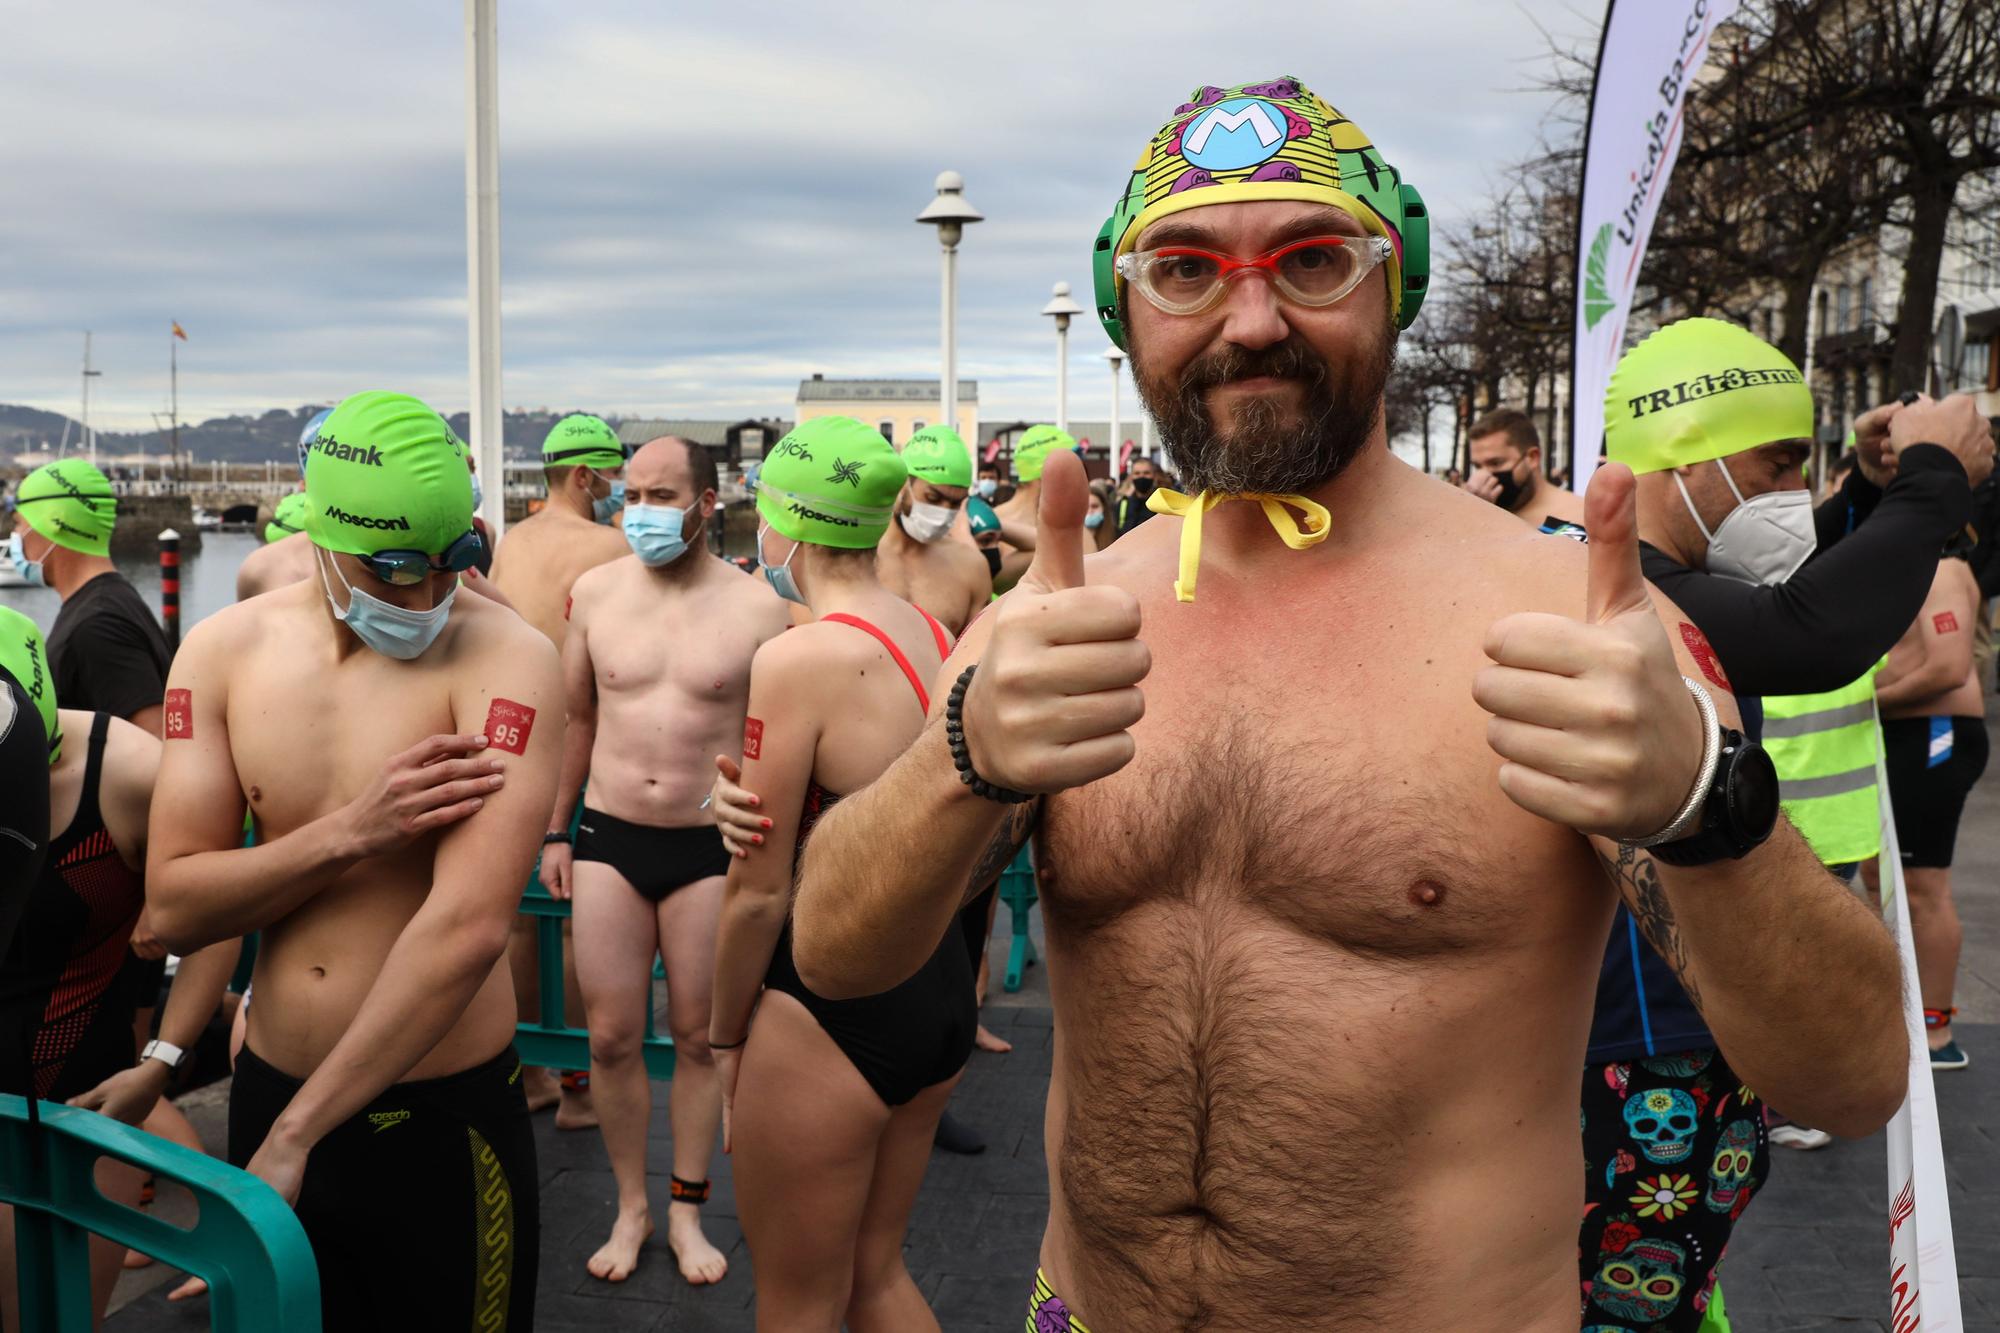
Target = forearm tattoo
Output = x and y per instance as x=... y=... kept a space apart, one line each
x=1637 y=877
x=1013 y=834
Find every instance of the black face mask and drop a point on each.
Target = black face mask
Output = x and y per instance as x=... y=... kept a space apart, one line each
x=1142 y=486
x=1510 y=490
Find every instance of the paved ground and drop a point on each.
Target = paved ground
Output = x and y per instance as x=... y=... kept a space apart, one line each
x=1811 y=1253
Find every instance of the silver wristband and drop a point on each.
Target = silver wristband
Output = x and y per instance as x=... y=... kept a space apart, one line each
x=1711 y=751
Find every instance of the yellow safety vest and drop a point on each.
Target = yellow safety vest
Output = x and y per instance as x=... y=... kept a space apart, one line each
x=1824 y=748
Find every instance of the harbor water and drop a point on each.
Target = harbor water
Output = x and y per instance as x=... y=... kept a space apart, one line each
x=208 y=581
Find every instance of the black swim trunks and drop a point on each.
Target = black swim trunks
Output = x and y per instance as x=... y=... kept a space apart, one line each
x=1933 y=763
x=423 y=1209
x=655 y=861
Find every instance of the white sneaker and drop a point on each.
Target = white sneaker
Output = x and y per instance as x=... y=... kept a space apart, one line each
x=1799 y=1137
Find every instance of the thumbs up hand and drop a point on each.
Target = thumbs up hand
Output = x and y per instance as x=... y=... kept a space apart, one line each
x=1057 y=687
x=1590 y=715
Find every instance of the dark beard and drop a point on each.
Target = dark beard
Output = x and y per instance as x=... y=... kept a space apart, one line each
x=1262 y=452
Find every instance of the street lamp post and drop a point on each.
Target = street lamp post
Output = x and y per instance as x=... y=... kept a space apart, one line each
x=949 y=213
x=1061 y=307
x=1117 y=360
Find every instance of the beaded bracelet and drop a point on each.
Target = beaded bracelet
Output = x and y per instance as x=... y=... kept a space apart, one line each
x=954 y=730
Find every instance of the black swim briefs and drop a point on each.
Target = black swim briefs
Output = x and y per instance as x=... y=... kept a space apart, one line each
x=655 y=861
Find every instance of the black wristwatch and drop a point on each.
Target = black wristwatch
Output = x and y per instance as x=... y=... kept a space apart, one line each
x=548 y=838
x=1740 y=811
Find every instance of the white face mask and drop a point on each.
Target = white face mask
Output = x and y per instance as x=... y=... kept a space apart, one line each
x=1764 y=539
x=927 y=523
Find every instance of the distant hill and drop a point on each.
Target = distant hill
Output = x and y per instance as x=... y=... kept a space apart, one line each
x=236 y=439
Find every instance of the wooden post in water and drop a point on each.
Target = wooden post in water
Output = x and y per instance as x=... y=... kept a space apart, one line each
x=170 y=586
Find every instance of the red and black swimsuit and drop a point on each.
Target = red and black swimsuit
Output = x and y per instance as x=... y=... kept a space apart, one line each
x=64 y=1025
x=919 y=1033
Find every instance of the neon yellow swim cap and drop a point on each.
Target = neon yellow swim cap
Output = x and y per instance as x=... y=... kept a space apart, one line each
x=939 y=456
x=1031 y=455
x=69 y=502
x=832 y=482
x=22 y=653
x=1701 y=389
x=391 y=476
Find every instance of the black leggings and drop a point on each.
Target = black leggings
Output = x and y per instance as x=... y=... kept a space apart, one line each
x=424 y=1209
x=1933 y=763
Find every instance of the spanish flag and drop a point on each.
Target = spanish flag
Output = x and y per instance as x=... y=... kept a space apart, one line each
x=179 y=332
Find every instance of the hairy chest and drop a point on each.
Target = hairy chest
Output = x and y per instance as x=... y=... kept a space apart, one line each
x=1335 y=782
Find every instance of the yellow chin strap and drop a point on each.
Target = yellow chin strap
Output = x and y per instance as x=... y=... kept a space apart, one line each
x=1309 y=529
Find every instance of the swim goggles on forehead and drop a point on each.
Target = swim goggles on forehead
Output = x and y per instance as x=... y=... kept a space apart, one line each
x=406 y=569
x=1185 y=280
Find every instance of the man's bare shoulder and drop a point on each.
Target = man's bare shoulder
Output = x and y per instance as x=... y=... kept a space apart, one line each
x=965 y=561
x=1471 y=543
x=600 y=580
x=257 y=572
x=485 y=632
x=224 y=635
x=749 y=593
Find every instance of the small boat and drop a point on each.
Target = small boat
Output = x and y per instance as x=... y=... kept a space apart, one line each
x=207 y=520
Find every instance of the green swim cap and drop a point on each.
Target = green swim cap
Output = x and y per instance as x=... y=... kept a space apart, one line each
x=831 y=482
x=939 y=456
x=391 y=477
x=22 y=653
x=289 y=517
x=1032 y=453
x=582 y=440
x=1701 y=389
x=69 y=502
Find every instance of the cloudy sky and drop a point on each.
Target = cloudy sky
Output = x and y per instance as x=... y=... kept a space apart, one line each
x=701 y=204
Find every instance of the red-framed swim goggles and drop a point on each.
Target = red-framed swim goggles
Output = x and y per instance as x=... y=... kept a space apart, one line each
x=1318 y=271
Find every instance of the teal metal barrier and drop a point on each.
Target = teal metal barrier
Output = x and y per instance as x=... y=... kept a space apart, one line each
x=1017 y=890
x=247 y=1243
x=552 y=1043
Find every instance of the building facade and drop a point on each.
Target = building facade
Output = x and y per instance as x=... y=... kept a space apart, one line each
x=897 y=408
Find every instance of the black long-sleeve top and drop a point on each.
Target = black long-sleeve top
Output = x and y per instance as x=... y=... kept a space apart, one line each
x=1850 y=602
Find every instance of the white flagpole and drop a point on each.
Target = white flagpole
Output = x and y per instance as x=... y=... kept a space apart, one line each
x=482 y=251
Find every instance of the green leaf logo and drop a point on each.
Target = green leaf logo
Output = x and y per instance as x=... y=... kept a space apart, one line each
x=1597 y=302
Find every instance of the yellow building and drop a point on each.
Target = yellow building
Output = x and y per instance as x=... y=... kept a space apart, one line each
x=897 y=408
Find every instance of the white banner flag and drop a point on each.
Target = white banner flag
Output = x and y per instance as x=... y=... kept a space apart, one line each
x=1923 y=1269
x=1647 y=58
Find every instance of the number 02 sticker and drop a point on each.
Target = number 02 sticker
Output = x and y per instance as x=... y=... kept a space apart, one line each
x=508 y=725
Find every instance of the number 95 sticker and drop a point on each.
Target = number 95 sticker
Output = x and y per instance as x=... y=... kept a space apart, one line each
x=508 y=725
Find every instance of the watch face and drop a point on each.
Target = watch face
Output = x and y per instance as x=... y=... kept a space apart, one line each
x=1753 y=792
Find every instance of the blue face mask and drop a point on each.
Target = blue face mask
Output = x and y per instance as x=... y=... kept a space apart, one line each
x=780 y=576
x=987 y=488
x=1095 y=520
x=478 y=493
x=655 y=533
x=31 y=570
x=391 y=630
x=605 y=509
